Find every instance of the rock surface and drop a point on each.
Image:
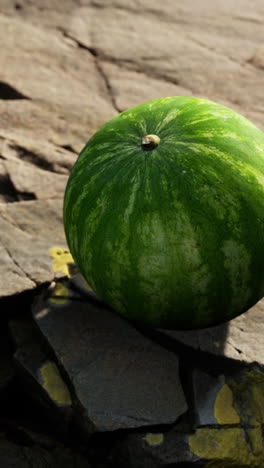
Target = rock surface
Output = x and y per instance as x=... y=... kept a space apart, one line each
x=121 y=379
x=67 y=68
x=27 y=231
x=241 y=338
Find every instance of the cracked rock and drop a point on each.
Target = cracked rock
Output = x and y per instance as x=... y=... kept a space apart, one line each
x=121 y=379
x=45 y=156
x=34 y=181
x=131 y=88
x=66 y=69
x=65 y=106
x=165 y=44
x=241 y=339
x=156 y=450
x=9 y=93
x=39 y=373
x=213 y=400
x=45 y=380
x=27 y=231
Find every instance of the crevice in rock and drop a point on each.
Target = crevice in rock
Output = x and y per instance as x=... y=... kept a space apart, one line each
x=254 y=63
x=31 y=157
x=139 y=67
x=241 y=63
x=18 y=265
x=11 y=221
x=199 y=464
x=25 y=196
x=248 y=19
x=185 y=375
x=8 y=92
x=107 y=84
x=153 y=73
x=215 y=51
x=18 y=6
x=37 y=159
x=68 y=147
x=7 y=189
x=203 y=359
x=81 y=423
x=80 y=44
x=99 y=68
x=142 y=67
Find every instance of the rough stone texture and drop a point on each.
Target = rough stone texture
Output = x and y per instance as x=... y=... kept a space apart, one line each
x=121 y=379
x=39 y=373
x=36 y=182
x=52 y=73
x=27 y=231
x=241 y=338
x=118 y=378
x=156 y=449
x=65 y=69
x=229 y=430
x=206 y=388
x=44 y=375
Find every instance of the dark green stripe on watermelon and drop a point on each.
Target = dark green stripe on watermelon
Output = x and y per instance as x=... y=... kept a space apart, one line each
x=173 y=236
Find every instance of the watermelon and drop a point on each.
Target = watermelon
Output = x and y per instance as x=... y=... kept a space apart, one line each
x=164 y=213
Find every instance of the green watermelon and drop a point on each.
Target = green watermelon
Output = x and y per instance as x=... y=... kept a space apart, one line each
x=164 y=213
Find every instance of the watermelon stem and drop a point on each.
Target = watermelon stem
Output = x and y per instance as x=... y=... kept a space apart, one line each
x=150 y=142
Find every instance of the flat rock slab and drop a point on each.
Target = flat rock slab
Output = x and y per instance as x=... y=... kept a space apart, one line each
x=157 y=450
x=121 y=379
x=28 y=230
x=47 y=81
x=241 y=339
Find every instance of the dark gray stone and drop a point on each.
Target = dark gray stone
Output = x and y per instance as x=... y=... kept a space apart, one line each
x=240 y=339
x=13 y=455
x=206 y=389
x=121 y=379
x=156 y=450
x=44 y=375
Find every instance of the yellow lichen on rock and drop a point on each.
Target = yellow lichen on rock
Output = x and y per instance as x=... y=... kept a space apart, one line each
x=248 y=390
x=54 y=385
x=255 y=385
x=60 y=294
x=240 y=403
x=223 y=444
x=154 y=439
x=224 y=411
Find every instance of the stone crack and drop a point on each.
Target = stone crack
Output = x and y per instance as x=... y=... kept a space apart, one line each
x=18 y=265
